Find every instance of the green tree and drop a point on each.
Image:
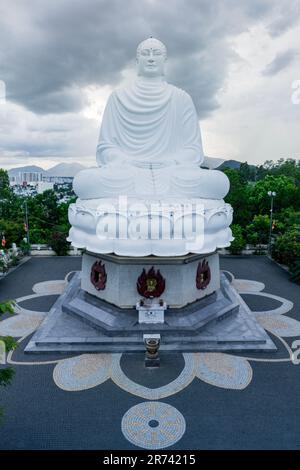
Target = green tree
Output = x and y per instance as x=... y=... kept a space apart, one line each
x=288 y=167
x=295 y=271
x=13 y=231
x=238 y=197
x=59 y=243
x=6 y=195
x=287 y=194
x=239 y=243
x=4 y=184
x=247 y=172
x=6 y=373
x=286 y=219
x=42 y=210
x=39 y=235
x=257 y=233
x=269 y=165
x=62 y=216
x=287 y=247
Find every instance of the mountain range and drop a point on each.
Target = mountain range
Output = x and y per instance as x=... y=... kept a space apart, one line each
x=71 y=169
x=62 y=169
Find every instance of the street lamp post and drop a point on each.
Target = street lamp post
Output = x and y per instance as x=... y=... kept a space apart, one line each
x=272 y=194
x=26 y=222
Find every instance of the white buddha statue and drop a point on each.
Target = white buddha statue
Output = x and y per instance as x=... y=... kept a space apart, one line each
x=149 y=150
x=150 y=142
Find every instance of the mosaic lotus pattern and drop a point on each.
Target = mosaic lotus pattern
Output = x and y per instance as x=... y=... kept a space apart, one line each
x=85 y=371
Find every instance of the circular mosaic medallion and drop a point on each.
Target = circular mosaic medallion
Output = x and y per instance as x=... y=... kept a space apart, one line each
x=153 y=425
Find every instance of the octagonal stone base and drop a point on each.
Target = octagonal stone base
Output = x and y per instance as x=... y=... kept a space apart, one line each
x=79 y=322
x=123 y=272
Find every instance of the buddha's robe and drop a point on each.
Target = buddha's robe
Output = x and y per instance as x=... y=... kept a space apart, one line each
x=150 y=146
x=150 y=122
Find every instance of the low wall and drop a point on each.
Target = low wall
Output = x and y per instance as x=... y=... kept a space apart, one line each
x=47 y=251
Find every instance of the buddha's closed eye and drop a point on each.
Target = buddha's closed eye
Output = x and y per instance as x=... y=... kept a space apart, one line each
x=146 y=52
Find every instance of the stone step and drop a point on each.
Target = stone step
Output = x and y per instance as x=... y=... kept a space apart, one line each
x=138 y=340
x=111 y=321
x=232 y=327
x=230 y=346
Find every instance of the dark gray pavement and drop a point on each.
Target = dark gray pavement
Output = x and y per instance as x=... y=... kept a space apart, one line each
x=265 y=415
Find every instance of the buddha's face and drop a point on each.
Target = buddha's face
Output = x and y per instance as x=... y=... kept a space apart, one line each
x=151 y=59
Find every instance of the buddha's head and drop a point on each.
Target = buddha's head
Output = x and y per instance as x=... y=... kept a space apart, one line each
x=151 y=56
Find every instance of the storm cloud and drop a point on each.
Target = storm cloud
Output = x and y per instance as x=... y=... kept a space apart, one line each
x=280 y=62
x=50 y=50
x=60 y=59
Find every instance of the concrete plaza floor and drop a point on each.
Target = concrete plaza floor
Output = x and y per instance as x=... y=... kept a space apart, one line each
x=212 y=401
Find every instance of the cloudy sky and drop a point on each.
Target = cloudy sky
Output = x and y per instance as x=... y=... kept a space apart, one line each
x=60 y=59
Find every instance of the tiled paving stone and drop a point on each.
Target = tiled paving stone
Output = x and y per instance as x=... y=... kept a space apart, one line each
x=280 y=325
x=21 y=325
x=136 y=388
x=133 y=366
x=280 y=354
x=264 y=415
x=19 y=356
x=244 y=285
x=39 y=304
x=55 y=287
x=82 y=372
x=228 y=276
x=223 y=370
x=256 y=303
x=63 y=331
x=37 y=269
x=153 y=425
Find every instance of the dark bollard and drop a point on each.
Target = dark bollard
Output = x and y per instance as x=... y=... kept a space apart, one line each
x=152 y=343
